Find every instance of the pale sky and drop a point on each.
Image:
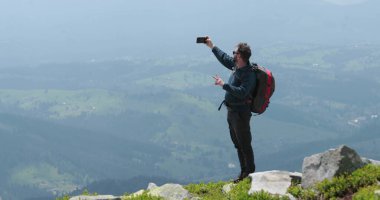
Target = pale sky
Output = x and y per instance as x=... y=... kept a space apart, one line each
x=39 y=31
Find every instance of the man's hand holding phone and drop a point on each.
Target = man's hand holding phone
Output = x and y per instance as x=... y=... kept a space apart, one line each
x=205 y=40
x=201 y=39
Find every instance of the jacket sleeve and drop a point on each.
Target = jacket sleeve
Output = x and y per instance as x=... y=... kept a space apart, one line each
x=248 y=82
x=223 y=58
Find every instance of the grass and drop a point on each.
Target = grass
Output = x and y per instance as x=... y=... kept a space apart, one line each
x=360 y=183
x=207 y=191
x=367 y=193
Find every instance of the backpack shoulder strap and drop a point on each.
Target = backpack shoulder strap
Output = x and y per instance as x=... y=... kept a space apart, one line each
x=255 y=66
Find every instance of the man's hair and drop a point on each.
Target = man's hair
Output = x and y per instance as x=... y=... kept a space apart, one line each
x=245 y=51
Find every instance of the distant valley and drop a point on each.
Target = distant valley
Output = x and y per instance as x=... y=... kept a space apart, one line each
x=66 y=125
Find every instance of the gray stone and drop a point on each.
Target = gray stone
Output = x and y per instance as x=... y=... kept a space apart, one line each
x=375 y=162
x=366 y=161
x=329 y=164
x=151 y=186
x=171 y=192
x=291 y=197
x=274 y=182
x=228 y=187
x=370 y=161
x=377 y=193
x=98 y=197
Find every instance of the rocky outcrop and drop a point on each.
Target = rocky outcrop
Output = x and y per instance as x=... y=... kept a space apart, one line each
x=315 y=168
x=274 y=182
x=329 y=164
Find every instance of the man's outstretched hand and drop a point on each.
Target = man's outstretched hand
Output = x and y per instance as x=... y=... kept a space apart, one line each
x=209 y=42
x=218 y=80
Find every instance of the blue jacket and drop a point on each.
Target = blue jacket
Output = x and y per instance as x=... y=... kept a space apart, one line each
x=240 y=83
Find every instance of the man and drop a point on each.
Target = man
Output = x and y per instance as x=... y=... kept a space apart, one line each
x=241 y=82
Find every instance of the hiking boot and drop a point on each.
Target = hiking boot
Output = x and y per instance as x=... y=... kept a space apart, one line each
x=241 y=177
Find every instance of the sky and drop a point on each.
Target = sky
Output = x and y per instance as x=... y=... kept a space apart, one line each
x=43 y=31
x=346 y=2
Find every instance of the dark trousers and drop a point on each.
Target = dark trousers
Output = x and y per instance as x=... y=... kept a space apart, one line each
x=238 y=122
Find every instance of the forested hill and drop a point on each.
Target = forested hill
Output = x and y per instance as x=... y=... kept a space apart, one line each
x=66 y=125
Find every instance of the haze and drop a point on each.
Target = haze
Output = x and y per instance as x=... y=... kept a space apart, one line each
x=39 y=31
x=146 y=104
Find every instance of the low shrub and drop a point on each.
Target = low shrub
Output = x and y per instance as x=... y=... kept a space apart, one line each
x=143 y=196
x=207 y=191
x=212 y=191
x=300 y=193
x=367 y=193
x=341 y=186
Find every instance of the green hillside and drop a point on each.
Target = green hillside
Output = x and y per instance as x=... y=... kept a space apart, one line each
x=85 y=122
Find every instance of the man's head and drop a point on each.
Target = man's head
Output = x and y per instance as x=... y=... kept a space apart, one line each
x=242 y=52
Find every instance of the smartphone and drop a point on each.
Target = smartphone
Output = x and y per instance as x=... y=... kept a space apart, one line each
x=201 y=39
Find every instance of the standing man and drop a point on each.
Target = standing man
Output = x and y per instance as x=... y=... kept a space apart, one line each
x=240 y=83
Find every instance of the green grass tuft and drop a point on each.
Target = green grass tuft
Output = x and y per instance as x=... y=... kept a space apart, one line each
x=367 y=193
x=65 y=197
x=212 y=191
x=341 y=186
x=143 y=196
x=207 y=191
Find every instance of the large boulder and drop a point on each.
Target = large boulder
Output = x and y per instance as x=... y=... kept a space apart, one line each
x=170 y=192
x=274 y=182
x=329 y=164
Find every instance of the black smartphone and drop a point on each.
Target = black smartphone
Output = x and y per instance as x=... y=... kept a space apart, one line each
x=201 y=39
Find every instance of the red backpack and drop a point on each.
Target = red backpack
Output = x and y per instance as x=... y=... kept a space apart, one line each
x=264 y=89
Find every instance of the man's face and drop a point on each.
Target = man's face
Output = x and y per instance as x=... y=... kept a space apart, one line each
x=236 y=55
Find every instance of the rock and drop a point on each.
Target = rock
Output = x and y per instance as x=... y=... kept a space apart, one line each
x=151 y=186
x=228 y=187
x=274 y=182
x=329 y=164
x=291 y=197
x=98 y=197
x=170 y=192
x=375 y=162
x=138 y=193
x=377 y=193
x=370 y=161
